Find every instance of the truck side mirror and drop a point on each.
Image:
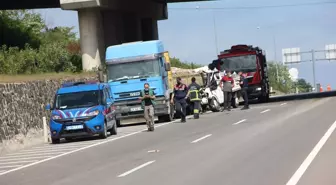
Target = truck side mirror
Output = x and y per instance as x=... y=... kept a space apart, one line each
x=167 y=66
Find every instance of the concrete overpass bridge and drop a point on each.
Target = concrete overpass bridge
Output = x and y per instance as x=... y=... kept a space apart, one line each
x=103 y=23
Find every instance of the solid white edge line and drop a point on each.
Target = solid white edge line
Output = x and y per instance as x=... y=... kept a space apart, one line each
x=136 y=168
x=265 y=111
x=80 y=149
x=241 y=121
x=305 y=164
x=197 y=140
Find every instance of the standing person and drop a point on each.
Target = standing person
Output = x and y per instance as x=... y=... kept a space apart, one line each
x=194 y=95
x=147 y=102
x=179 y=98
x=244 y=87
x=227 y=85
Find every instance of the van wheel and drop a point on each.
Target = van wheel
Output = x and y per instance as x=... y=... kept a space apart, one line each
x=55 y=141
x=113 y=130
x=104 y=134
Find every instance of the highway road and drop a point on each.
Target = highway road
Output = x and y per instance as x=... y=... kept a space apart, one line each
x=281 y=143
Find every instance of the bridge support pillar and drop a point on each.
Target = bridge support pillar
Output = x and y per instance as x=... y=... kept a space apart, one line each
x=91 y=38
x=149 y=29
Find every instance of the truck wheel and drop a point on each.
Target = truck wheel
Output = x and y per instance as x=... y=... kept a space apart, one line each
x=55 y=141
x=118 y=123
x=214 y=104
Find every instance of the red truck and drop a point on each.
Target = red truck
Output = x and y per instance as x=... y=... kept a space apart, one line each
x=250 y=60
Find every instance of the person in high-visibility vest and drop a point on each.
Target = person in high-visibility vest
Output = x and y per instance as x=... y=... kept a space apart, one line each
x=195 y=97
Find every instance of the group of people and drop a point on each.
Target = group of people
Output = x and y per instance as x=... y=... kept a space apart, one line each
x=182 y=92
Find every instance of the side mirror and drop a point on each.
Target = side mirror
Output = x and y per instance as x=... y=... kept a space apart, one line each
x=48 y=107
x=167 y=66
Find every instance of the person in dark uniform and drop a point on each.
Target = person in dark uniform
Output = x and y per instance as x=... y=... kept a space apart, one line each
x=227 y=85
x=194 y=95
x=244 y=87
x=179 y=98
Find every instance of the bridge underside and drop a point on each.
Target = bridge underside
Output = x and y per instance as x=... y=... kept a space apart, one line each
x=36 y=4
x=104 y=23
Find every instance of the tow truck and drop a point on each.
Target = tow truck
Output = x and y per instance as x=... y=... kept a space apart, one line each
x=250 y=60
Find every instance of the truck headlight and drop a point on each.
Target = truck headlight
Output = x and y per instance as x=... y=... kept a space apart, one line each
x=55 y=117
x=258 y=89
x=93 y=113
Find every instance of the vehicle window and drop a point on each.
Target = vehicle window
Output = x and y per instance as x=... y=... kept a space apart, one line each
x=133 y=70
x=245 y=63
x=77 y=100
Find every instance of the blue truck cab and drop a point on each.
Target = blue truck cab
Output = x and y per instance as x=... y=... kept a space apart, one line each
x=129 y=67
x=82 y=109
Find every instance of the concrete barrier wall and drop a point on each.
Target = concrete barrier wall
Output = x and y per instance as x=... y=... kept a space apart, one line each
x=22 y=106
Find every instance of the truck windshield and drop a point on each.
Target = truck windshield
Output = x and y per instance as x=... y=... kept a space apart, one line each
x=77 y=100
x=245 y=63
x=133 y=70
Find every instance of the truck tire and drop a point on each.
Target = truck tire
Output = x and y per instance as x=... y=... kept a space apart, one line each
x=214 y=105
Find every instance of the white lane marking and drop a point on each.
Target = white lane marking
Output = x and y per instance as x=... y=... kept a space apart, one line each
x=241 y=121
x=262 y=112
x=197 y=140
x=136 y=168
x=14 y=166
x=80 y=149
x=30 y=155
x=304 y=166
x=17 y=162
x=25 y=158
x=48 y=158
x=283 y=104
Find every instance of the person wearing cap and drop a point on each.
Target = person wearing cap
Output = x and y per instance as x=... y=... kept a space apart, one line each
x=179 y=98
x=147 y=103
x=227 y=84
x=194 y=95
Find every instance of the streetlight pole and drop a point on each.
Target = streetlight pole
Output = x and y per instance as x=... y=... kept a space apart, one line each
x=275 y=55
x=215 y=31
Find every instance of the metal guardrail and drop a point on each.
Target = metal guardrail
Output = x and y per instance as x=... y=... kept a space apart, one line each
x=302 y=96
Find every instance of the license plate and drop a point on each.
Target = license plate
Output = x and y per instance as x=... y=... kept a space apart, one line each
x=74 y=127
x=133 y=109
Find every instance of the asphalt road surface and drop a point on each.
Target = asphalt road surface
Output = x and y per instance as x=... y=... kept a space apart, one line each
x=284 y=143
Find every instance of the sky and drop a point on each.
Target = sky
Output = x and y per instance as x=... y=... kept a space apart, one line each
x=190 y=32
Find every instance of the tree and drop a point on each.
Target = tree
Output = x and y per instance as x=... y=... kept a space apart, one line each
x=20 y=27
x=303 y=85
x=175 y=62
x=281 y=82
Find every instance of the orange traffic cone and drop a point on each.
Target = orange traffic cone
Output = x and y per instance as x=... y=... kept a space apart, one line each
x=321 y=88
x=328 y=88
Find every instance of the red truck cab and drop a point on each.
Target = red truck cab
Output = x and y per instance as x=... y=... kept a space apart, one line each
x=250 y=60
